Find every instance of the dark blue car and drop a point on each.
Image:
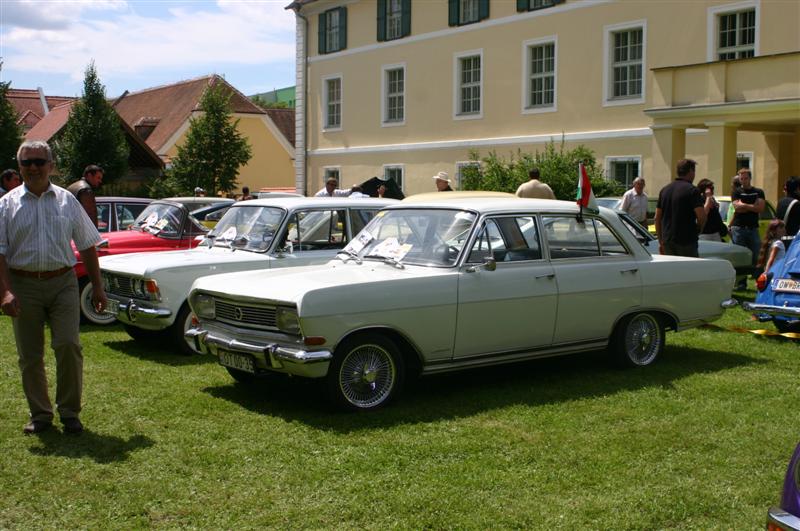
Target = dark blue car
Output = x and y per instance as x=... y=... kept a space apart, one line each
x=787 y=516
x=778 y=298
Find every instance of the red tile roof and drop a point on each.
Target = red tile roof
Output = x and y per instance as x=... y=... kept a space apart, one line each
x=170 y=106
x=284 y=120
x=51 y=124
x=27 y=101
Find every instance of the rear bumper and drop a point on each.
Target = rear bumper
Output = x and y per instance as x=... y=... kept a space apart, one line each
x=780 y=519
x=769 y=309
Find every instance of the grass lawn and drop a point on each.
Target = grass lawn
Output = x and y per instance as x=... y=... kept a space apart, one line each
x=700 y=440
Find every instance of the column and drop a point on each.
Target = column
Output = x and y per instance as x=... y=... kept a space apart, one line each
x=722 y=154
x=669 y=146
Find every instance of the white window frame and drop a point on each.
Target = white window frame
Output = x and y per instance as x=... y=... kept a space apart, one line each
x=402 y=168
x=385 y=95
x=712 y=25
x=608 y=78
x=326 y=173
x=393 y=20
x=332 y=31
x=526 y=74
x=610 y=159
x=460 y=165
x=749 y=155
x=461 y=5
x=325 y=127
x=457 y=85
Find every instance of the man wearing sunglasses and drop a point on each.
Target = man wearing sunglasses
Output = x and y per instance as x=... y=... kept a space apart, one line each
x=38 y=222
x=83 y=189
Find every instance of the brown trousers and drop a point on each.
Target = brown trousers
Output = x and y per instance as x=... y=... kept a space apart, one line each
x=55 y=302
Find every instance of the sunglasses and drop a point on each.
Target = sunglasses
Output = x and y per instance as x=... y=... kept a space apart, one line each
x=38 y=162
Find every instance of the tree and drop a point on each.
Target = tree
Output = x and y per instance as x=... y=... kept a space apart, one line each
x=92 y=135
x=559 y=169
x=262 y=102
x=214 y=149
x=10 y=131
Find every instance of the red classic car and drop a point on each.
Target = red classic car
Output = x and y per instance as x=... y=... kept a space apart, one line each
x=162 y=226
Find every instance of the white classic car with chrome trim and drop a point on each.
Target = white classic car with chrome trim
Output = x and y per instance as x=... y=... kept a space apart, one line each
x=452 y=284
x=148 y=292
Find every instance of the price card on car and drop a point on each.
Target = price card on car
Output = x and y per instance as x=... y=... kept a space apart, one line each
x=234 y=360
x=787 y=284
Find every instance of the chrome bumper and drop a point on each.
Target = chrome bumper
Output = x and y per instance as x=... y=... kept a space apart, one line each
x=782 y=519
x=785 y=311
x=729 y=303
x=130 y=312
x=268 y=356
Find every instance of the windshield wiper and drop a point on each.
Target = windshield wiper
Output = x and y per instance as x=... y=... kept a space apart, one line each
x=351 y=255
x=388 y=260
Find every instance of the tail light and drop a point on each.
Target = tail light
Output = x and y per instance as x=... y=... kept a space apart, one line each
x=761 y=282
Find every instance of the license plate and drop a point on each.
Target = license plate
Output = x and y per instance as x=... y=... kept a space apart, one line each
x=237 y=361
x=787 y=284
x=112 y=307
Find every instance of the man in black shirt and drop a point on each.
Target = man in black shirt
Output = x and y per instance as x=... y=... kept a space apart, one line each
x=680 y=215
x=790 y=203
x=748 y=203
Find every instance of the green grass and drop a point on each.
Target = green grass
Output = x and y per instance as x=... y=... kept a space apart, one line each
x=700 y=440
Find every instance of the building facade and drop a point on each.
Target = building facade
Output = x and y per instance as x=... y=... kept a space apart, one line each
x=409 y=88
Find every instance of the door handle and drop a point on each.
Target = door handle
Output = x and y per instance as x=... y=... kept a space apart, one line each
x=549 y=275
x=632 y=270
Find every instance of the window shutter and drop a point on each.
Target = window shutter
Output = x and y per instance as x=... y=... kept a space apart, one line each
x=483 y=9
x=406 y=20
x=382 y=20
x=522 y=5
x=342 y=28
x=452 y=12
x=321 y=30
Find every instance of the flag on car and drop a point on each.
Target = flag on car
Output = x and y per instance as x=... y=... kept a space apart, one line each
x=585 y=197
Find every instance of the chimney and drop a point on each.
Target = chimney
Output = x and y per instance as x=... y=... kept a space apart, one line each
x=43 y=100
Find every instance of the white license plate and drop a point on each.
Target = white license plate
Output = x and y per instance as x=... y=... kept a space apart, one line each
x=787 y=284
x=237 y=361
x=112 y=307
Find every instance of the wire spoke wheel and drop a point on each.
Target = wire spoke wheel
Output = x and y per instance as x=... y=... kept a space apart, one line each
x=643 y=339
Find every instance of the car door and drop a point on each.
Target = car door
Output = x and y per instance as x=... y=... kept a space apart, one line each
x=597 y=276
x=513 y=307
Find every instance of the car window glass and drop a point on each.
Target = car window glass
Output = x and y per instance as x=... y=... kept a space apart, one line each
x=162 y=219
x=488 y=244
x=359 y=217
x=609 y=243
x=127 y=214
x=568 y=237
x=317 y=230
x=103 y=217
x=251 y=228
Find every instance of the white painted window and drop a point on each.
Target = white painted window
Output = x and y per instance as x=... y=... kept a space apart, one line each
x=394 y=90
x=624 y=169
x=625 y=63
x=394 y=19
x=395 y=173
x=744 y=159
x=332 y=29
x=469 y=85
x=468 y=11
x=736 y=35
x=540 y=87
x=331 y=172
x=333 y=102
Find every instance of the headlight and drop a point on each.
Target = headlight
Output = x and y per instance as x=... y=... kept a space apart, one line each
x=287 y=321
x=203 y=306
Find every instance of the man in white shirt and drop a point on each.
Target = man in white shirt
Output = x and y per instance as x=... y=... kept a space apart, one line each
x=38 y=222
x=534 y=188
x=330 y=189
x=634 y=202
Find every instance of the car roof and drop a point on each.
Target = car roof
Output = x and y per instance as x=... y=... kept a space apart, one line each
x=492 y=204
x=121 y=199
x=305 y=202
x=192 y=199
x=428 y=196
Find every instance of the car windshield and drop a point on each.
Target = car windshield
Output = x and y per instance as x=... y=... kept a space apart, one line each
x=248 y=228
x=162 y=219
x=428 y=237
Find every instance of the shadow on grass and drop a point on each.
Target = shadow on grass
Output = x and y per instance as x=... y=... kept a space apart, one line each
x=101 y=448
x=158 y=352
x=466 y=393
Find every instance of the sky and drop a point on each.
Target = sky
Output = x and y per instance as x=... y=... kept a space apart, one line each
x=137 y=44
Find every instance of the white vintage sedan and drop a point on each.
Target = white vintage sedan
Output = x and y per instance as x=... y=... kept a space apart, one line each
x=147 y=292
x=457 y=283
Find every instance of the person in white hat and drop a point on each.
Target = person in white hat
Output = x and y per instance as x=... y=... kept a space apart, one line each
x=442 y=181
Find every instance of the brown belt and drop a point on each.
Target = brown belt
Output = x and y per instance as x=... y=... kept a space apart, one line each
x=40 y=275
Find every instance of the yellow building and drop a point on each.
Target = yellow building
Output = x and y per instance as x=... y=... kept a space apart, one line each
x=407 y=88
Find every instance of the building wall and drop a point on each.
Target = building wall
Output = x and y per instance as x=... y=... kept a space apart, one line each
x=432 y=138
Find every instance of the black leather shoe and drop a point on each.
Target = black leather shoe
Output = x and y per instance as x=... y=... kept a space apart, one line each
x=36 y=426
x=72 y=425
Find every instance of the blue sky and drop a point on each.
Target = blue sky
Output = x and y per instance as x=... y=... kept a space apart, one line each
x=137 y=44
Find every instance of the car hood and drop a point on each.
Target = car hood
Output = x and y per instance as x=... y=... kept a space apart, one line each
x=300 y=285
x=148 y=264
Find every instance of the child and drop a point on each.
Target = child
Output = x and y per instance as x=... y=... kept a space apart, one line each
x=772 y=249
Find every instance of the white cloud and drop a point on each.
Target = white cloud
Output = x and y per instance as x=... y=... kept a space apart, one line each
x=120 y=41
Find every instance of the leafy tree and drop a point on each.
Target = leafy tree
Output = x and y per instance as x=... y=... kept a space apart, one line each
x=92 y=135
x=214 y=149
x=262 y=102
x=10 y=131
x=558 y=168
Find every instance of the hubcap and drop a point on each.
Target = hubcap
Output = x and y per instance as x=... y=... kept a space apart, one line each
x=642 y=339
x=89 y=311
x=367 y=376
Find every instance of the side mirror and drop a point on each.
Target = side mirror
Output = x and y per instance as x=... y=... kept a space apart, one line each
x=210 y=239
x=489 y=265
x=287 y=248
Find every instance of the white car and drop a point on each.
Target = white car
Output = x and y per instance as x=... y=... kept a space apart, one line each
x=451 y=284
x=148 y=292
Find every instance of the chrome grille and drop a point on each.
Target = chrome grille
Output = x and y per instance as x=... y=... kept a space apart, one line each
x=119 y=285
x=262 y=317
